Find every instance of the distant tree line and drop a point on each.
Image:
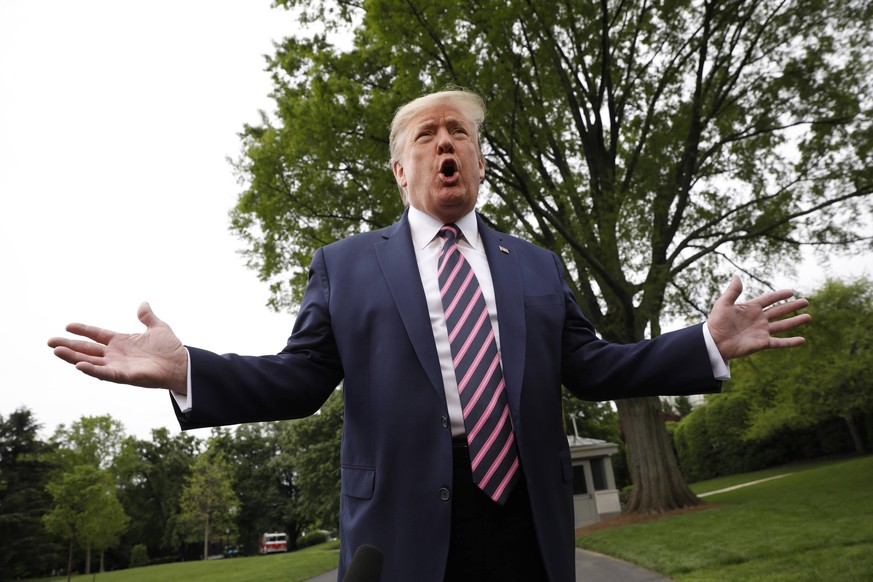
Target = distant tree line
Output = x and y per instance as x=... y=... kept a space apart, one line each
x=91 y=498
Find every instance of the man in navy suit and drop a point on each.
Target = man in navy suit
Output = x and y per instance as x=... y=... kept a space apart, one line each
x=372 y=317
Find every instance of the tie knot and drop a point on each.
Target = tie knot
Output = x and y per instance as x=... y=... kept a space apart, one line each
x=450 y=232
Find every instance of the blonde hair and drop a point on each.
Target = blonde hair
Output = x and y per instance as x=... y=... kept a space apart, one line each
x=468 y=104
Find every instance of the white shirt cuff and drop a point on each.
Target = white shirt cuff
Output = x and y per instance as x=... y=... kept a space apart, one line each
x=720 y=368
x=186 y=401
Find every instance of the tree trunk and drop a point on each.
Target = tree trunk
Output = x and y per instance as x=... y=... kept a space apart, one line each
x=658 y=484
x=70 y=561
x=855 y=433
x=206 y=540
x=87 y=558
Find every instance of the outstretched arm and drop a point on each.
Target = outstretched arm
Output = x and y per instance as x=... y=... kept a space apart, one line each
x=740 y=329
x=152 y=359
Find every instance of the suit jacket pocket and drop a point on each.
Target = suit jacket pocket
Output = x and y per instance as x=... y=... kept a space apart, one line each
x=540 y=300
x=358 y=481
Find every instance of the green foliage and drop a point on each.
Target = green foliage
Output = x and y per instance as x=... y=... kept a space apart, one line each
x=139 y=556
x=152 y=474
x=312 y=539
x=813 y=524
x=644 y=143
x=711 y=441
x=313 y=445
x=24 y=472
x=682 y=406
x=91 y=440
x=789 y=405
x=85 y=509
x=209 y=503
x=264 y=477
x=254 y=470
x=829 y=378
x=85 y=453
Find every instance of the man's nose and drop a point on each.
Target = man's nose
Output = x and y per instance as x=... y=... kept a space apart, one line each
x=445 y=145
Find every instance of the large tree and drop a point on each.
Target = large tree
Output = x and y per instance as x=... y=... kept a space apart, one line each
x=152 y=475
x=26 y=552
x=209 y=502
x=86 y=511
x=92 y=442
x=652 y=145
x=265 y=481
x=312 y=446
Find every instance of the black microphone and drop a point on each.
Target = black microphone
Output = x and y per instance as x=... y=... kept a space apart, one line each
x=366 y=565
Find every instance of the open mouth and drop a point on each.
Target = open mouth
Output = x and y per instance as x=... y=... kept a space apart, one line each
x=448 y=168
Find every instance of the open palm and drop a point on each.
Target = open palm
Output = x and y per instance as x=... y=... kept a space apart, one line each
x=152 y=359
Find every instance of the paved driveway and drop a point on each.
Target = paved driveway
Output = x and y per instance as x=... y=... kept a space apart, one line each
x=590 y=567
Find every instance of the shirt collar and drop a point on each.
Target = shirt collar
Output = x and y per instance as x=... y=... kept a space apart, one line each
x=424 y=228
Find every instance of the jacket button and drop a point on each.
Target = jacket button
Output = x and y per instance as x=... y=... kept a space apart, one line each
x=445 y=494
x=445 y=420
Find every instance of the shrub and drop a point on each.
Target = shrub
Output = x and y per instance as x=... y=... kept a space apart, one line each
x=312 y=539
x=711 y=442
x=139 y=556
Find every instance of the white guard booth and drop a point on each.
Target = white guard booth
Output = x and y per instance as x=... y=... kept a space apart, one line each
x=595 y=496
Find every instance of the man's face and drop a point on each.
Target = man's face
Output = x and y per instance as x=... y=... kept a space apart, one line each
x=439 y=165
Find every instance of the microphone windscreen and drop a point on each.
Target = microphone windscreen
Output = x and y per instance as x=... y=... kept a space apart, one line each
x=366 y=565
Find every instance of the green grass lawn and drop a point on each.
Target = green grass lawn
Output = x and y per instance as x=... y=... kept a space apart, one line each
x=290 y=567
x=814 y=524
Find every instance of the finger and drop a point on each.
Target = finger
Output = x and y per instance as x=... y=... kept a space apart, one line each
x=99 y=372
x=786 y=342
x=98 y=334
x=784 y=325
x=88 y=348
x=76 y=357
x=733 y=291
x=782 y=309
x=54 y=342
x=765 y=300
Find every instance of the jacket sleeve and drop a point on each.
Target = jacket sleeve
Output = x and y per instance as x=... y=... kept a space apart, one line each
x=673 y=363
x=231 y=389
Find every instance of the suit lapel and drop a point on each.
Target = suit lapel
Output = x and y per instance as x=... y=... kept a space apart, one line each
x=400 y=269
x=509 y=296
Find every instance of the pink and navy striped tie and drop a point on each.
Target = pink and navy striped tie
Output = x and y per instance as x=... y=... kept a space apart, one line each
x=493 y=454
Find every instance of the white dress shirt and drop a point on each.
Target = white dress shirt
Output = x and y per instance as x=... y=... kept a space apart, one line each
x=427 y=251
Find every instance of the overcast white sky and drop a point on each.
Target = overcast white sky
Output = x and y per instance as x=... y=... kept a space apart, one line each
x=116 y=119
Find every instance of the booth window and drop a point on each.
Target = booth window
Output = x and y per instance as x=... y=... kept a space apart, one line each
x=598 y=473
x=580 y=486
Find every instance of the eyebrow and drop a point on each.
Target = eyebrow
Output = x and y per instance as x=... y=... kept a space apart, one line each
x=451 y=121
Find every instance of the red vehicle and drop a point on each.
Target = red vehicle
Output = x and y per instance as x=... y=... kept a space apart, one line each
x=273 y=542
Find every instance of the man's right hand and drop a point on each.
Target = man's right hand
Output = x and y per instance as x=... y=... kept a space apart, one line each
x=153 y=359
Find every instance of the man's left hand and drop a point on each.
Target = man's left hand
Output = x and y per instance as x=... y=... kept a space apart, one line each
x=740 y=329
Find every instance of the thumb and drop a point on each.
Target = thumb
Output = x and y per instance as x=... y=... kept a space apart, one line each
x=146 y=315
x=733 y=291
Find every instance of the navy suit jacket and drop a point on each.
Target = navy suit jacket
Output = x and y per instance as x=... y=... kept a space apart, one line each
x=364 y=320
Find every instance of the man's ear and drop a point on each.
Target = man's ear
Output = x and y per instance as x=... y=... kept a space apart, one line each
x=481 y=168
x=399 y=174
